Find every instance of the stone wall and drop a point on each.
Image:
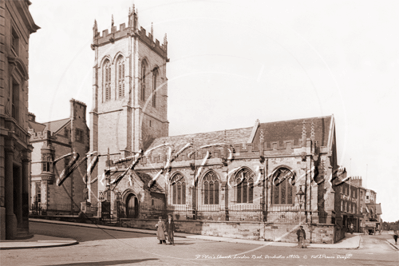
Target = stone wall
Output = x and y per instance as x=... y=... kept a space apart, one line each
x=321 y=233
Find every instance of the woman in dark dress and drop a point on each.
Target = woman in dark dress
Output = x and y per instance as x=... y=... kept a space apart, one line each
x=170 y=228
x=161 y=231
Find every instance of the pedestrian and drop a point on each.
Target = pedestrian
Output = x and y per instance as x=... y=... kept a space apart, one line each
x=351 y=228
x=170 y=228
x=161 y=231
x=301 y=237
x=395 y=236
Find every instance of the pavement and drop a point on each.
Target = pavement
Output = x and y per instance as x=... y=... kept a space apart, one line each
x=42 y=241
x=392 y=243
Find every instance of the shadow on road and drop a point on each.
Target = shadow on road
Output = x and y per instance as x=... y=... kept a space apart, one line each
x=81 y=234
x=111 y=262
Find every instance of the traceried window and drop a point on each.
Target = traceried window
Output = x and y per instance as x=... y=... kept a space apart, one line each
x=210 y=189
x=244 y=186
x=107 y=80
x=282 y=192
x=178 y=189
x=154 y=87
x=121 y=77
x=143 y=79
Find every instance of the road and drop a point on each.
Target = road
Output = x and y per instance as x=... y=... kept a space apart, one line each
x=109 y=247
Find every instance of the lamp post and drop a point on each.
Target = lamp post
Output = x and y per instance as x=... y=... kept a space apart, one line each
x=300 y=196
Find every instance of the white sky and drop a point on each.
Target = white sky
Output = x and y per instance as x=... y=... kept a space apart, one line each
x=232 y=62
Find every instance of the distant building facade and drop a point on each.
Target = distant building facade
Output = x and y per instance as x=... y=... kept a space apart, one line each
x=16 y=26
x=50 y=141
x=358 y=206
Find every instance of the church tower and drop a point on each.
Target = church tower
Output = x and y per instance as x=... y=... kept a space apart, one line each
x=129 y=92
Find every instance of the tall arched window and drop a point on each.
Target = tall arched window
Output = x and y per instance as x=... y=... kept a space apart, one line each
x=282 y=188
x=143 y=81
x=178 y=189
x=210 y=188
x=120 y=68
x=107 y=80
x=244 y=186
x=154 y=87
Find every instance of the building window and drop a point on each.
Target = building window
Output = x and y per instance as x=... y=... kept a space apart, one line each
x=244 y=186
x=107 y=80
x=210 y=189
x=282 y=189
x=38 y=192
x=15 y=101
x=342 y=206
x=178 y=189
x=154 y=87
x=121 y=77
x=143 y=80
x=79 y=135
x=14 y=42
x=66 y=132
x=47 y=164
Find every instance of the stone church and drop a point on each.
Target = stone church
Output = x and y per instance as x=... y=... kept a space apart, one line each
x=258 y=182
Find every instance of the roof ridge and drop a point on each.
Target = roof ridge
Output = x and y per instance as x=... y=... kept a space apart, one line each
x=57 y=120
x=297 y=119
x=223 y=130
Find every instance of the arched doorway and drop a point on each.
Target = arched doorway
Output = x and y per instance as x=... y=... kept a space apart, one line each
x=132 y=206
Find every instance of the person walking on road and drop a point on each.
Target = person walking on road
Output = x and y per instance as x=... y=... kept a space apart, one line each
x=170 y=228
x=301 y=237
x=395 y=236
x=161 y=231
x=351 y=229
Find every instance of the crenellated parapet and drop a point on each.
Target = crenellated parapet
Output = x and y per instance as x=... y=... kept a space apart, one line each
x=131 y=30
x=41 y=135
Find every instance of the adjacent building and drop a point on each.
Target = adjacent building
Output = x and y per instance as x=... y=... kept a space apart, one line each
x=50 y=141
x=16 y=26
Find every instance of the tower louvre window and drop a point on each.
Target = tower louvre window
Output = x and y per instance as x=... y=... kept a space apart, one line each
x=154 y=87
x=121 y=77
x=107 y=80
x=143 y=74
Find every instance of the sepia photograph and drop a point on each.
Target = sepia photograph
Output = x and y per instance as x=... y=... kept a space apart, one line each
x=199 y=132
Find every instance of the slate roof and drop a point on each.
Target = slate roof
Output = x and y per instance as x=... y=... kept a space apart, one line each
x=278 y=131
x=56 y=125
x=37 y=127
x=281 y=131
x=231 y=136
x=145 y=178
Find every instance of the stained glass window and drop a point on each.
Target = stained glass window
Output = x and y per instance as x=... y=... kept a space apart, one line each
x=178 y=189
x=282 y=188
x=244 y=186
x=211 y=189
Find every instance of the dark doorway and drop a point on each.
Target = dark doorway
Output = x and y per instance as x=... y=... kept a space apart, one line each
x=132 y=206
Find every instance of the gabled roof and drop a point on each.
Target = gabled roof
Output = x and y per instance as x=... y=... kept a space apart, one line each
x=281 y=131
x=56 y=125
x=231 y=136
x=145 y=178
x=37 y=127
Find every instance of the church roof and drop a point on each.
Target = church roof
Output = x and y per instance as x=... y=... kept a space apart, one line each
x=278 y=131
x=231 y=136
x=281 y=131
x=146 y=178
